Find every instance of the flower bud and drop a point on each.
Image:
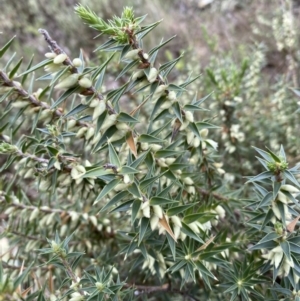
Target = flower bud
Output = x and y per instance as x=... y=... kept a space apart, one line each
x=109 y=121
x=99 y=110
x=189 y=116
x=166 y=105
x=68 y=82
x=94 y=103
x=189 y=137
x=144 y=146
x=176 y=221
x=289 y=188
x=188 y=181
x=152 y=74
x=196 y=142
x=155 y=147
x=145 y=56
x=77 y=62
x=57 y=165
x=137 y=74
x=154 y=222
x=90 y=133
x=172 y=95
x=71 y=123
x=85 y=83
x=146 y=209
x=50 y=55
x=20 y=104
x=204 y=133
x=157 y=211
x=81 y=132
x=60 y=58
x=132 y=54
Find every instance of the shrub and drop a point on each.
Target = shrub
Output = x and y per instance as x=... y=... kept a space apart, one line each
x=117 y=193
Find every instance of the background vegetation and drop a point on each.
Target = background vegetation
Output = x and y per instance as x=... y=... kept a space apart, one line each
x=247 y=52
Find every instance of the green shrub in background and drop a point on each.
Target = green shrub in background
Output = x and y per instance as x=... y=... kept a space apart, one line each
x=117 y=193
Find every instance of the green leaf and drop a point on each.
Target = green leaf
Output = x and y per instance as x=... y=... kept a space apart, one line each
x=262 y=176
x=145 y=183
x=36 y=67
x=22 y=277
x=264 y=245
x=124 y=117
x=100 y=69
x=135 y=209
x=286 y=249
x=177 y=110
x=6 y=46
x=161 y=45
x=15 y=69
x=117 y=198
x=161 y=201
x=123 y=207
x=127 y=170
x=202 y=217
x=134 y=190
x=127 y=68
x=187 y=230
x=96 y=172
x=264 y=154
x=110 y=186
x=275 y=157
x=146 y=29
x=269 y=236
x=167 y=153
x=64 y=96
x=172 y=245
x=288 y=175
x=179 y=209
x=206 y=125
x=266 y=200
x=143 y=228
x=113 y=157
x=76 y=110
x=149 y=139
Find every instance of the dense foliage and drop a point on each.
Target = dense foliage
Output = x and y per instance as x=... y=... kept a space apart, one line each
x=118 y=182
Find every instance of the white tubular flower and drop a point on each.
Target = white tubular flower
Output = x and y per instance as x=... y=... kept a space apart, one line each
x=189 y=137
x=213 y=143
x=282 y=197
x=172 y=96
x=85 y=83
x=196 y=142
x=76 y=297
x=182 y=236
x=77 y=172
x=188 y=181
x=146 y=209
x=152 y=75
x=109 y=121
x=176 y=221
x=191 y=189
x=220 y=211
x=68 y=82
x=154 y=222
x=132 y=54
x=59 y=58
x=189 y=116
x=176 y=231
x=99 y=109
x=275 y=256
x=194 y=227
x=276 y=210
x=289 y=188
x=157 y=211
x=204 y=133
